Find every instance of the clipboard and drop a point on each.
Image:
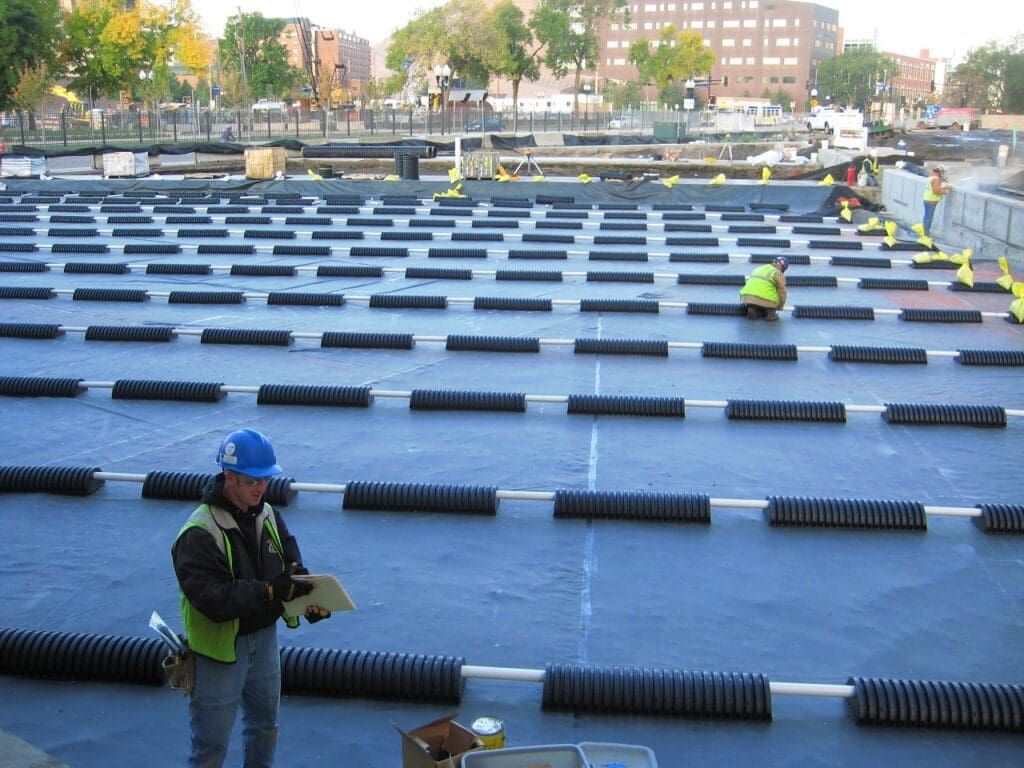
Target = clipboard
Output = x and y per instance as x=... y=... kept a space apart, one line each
x=327 y=593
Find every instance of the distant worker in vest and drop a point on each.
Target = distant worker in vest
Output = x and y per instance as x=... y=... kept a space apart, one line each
x=765 y=290
x=934 y=191
x=236 y=563
x=869 y=170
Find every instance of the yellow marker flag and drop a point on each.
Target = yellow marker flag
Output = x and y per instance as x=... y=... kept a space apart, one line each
x=966 y=275
x=890 y=228
x=719 y=179
x=392 y=177
x=584 y=178
x=889 y=240
x=671 y=181
x=540 y=178
x=453 y=175
x=871 y=223
x=1005 y=280
x=1017 y=289
x=1017 y=310
x=314 y=176
x=828 y=181
x=963 y=257
x=918 y=229
x=846 y=214
x=923 y=258
x=766 y=173
x=925 y=241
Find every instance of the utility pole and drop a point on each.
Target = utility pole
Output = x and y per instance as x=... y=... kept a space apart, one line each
x=241 y=53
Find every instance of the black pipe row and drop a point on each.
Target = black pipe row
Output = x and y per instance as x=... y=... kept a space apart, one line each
x=950 y=414
x=451 y=273
x=372 y=224
x=665 y=692
x=822 y=512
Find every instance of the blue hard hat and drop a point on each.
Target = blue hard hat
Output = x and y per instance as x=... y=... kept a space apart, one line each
x=249 y=453
x=782 y=261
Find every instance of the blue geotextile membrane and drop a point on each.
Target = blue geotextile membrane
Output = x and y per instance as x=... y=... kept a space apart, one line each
x=522 y=588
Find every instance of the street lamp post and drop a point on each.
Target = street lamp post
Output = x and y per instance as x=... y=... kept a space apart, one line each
x=442 y=76
x=586 y=104
x=146 y=80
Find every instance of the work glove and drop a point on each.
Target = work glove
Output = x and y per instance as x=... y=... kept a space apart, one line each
x=299 y=570
x=313 y=614
x=286 y=588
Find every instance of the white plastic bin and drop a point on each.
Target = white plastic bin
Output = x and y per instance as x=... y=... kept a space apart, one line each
x=605 y=755
x=550 y=755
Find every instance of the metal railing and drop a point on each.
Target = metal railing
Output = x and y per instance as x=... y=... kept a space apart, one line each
x=99 y=128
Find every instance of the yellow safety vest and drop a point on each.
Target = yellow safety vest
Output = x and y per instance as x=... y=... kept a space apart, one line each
x=761 y=284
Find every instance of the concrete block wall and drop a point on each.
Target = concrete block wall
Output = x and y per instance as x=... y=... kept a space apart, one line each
x=966 y=218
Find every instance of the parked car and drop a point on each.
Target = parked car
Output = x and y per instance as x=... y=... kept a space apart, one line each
x=489 y=124
x=626 y=122
x=266 y=105
x=827 y=118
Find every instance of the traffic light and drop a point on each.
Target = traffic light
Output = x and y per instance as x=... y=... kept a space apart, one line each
x=725 y=80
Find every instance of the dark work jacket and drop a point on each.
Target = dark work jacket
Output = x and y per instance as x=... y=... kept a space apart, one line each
x=203 y=573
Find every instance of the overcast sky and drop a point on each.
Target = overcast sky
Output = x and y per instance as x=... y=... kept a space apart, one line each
x=900 y=27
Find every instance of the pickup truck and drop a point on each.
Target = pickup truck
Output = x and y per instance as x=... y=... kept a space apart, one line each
x=266 y=105
x=828 y=118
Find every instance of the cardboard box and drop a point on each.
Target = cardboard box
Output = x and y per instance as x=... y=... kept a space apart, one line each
x=264 y=162
x=438 y=744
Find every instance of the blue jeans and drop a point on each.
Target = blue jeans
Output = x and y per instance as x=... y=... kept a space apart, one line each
x=254 y=680
x=929 y=214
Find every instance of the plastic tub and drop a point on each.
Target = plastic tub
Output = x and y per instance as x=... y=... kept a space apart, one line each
x=550 y=756
x=608 y=755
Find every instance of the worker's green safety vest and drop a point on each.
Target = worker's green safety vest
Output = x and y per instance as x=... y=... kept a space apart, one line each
x=929 y=195
x=761 y=284
x=216 y=639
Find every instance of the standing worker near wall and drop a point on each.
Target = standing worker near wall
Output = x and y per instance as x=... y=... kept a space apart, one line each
x=765 y=290
x=934 y=191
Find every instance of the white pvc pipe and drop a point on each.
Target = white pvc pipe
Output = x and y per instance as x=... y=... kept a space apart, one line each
x=390 y=393
x=547 y=398
x=739 y=503
x=707 y=403
x=503 y=673
x=119 y=476
x=865 y=409
x=318 y=487
x=812 y=689
x=526 y=495
x=953 y=511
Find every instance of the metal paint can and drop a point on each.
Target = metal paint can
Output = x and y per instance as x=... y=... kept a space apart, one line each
x=490 y=730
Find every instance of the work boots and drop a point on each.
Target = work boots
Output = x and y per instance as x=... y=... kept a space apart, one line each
x=771 y=315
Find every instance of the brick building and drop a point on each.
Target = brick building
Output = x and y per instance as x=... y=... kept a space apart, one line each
x=761 y=45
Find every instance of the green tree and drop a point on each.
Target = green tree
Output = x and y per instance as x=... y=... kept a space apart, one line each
x=678 y=57
x=515 y=51
x=850 y=79
x=250 y=48
x=628 y=94
x=457 y=33
x=30 y=33
x=569 y=30
x=989 y=78
x=106 y=46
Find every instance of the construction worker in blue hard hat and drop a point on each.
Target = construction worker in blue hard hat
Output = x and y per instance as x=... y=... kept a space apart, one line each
x=236 y=563
x=765 y=290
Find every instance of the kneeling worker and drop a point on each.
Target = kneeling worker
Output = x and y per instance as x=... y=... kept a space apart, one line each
x=765 y=290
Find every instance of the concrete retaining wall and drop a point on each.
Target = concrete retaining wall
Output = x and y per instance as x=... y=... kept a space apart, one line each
x=990 y=224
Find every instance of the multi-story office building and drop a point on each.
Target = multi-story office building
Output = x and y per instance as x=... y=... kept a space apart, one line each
x=760 y=46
